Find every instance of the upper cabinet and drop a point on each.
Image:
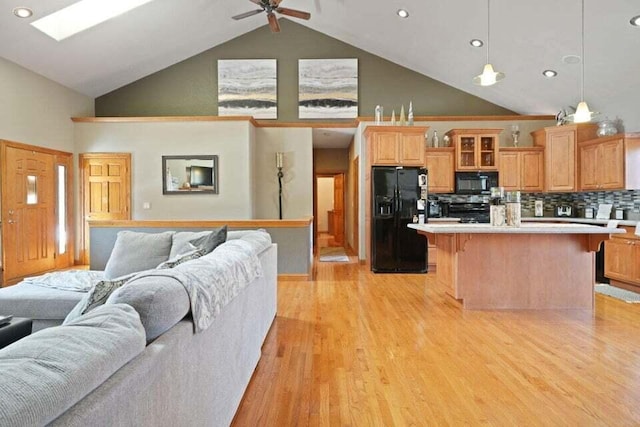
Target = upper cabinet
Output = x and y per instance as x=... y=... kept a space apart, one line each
x=560 y=159
x=440 y=164
x=476 y=149
x=522 y=169
x=396 y=145
x=609 y=163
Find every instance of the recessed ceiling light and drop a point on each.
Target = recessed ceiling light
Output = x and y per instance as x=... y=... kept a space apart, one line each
x=22 y=12
x=571 y=59
x=635 y=21
x=476 y=43
x=549 y=73
x=82 y=15
x=402 y=13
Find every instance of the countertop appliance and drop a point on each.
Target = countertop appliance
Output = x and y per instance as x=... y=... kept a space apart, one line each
x=470 y=212
x=564 y=210
x=475 y=182
x=397 y=201
x=434 y=208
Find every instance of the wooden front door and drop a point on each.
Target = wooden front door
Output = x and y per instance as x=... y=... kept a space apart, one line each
x=28 y=213
x=105 y=190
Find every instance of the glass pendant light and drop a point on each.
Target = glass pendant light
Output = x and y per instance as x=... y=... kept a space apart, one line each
x=488 y=76
x=582 y=114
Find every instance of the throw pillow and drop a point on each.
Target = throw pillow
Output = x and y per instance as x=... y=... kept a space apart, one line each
x=211 y=241
x=97 y=295
x=188 y=256
x=135 y=251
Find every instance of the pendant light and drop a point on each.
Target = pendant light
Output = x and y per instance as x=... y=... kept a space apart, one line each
x=488 y=76
x=582 y=114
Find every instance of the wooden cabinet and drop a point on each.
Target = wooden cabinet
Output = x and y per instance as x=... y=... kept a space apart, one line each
x=560 y=158
x=476 y=149
x=522 y=169
x=396 y=145
x=609 y=163
x=622 y=259
x=440 y=164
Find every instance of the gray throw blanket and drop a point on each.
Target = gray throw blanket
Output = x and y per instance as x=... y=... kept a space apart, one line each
x=215 y=279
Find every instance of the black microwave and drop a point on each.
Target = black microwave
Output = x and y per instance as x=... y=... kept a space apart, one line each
x=475 y=182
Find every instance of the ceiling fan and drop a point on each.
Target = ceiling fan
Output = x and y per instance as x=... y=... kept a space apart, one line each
x=271 y=7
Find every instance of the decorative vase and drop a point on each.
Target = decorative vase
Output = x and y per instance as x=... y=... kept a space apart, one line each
x=410 y=115
x=403 y=120
x=393 y=117
x=435 y=141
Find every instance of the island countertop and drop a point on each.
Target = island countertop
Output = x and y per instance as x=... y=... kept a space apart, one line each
x=525 y=228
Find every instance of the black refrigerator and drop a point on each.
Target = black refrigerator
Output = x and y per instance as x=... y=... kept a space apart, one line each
x=399 y=197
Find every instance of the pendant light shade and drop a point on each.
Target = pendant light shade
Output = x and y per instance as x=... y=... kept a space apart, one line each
x=489 y=76
x=582 y=114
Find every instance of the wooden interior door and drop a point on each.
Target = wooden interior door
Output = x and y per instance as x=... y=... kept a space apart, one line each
x=28 y=213
x=338 y=209
x=105 y=191
x=64 y=213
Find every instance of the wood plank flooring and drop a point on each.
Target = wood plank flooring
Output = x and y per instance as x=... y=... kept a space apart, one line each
x=357 y=349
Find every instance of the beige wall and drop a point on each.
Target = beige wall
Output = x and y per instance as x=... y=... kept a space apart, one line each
x=325 y=202
x=296 y=144
x=331 y=160
x=38 y=111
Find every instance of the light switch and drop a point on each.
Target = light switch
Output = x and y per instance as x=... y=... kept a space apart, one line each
x=146 y=205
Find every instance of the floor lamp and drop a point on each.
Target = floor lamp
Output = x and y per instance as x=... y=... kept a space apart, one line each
x=279 y=164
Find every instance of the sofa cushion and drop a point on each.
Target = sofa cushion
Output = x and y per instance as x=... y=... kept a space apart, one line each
x=135 y=251
x=211 y=241
x=161 y=302
x=184 y=240
x=37 y=302
x=46 y=373
x=182 y=258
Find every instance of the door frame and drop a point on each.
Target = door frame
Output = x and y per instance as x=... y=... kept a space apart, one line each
x=329 y=174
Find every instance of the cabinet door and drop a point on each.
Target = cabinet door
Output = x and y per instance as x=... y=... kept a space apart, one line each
x=618 y=259
x=634 y=263
x=561 y=161
x=412 y=150
x=531 y=171
x=588 y=167
x=487 y=151
x=386 y=148
x=440 y=167
x=509 y=171
x=611 y=165
x=466 y=146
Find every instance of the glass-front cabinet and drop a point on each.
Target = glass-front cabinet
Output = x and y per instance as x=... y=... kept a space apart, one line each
x=476 y=149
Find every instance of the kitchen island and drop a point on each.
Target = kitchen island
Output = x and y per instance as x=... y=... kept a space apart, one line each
x=535 y=266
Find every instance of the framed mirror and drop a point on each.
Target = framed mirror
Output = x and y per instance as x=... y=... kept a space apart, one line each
x=190 y=174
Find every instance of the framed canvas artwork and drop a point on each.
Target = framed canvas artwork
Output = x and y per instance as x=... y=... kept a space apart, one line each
x=328 y=88
x=248 y=87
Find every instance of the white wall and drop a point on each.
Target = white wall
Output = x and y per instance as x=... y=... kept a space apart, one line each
x=147 y=142
x=38 y=111
x=325 y=202
x=296 y=144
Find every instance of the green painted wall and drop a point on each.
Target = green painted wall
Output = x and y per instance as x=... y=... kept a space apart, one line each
x=190 y=87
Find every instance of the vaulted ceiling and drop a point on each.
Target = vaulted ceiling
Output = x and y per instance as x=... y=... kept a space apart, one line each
x=527 y=37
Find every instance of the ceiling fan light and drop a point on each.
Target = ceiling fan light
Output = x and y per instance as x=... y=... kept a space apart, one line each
x=488 y=76
x=582 y=114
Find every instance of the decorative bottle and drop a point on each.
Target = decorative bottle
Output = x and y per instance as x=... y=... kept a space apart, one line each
x=403 y=120
x=410 y=115
x=435 y=141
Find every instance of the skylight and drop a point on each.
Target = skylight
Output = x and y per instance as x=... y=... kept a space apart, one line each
x=82 y=15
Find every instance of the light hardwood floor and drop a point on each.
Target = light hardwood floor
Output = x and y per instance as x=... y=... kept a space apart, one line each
x=357 y=349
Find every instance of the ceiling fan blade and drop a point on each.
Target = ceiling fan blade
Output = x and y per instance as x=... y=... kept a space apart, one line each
x=295 y=13
x=247 y=14
x=273 y=23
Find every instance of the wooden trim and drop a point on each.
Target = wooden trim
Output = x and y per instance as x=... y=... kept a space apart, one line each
x=298 y=277
x=271 y=124
x=37 y=148
x=521 y=149
x=154 y=119
x=473 y=131
x=234 y=223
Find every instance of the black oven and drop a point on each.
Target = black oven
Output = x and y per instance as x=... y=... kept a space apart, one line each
x=475 y=182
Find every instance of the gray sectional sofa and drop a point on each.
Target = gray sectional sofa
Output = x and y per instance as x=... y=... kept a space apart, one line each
x=137 y=360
